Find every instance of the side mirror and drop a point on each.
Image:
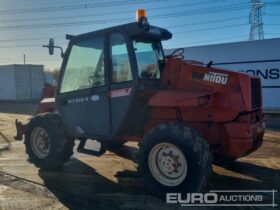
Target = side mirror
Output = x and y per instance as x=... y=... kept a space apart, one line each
x=51 y=47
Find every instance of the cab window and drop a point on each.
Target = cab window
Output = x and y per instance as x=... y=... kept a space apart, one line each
x=121 y=70
x=85 y=66
x=149 y=58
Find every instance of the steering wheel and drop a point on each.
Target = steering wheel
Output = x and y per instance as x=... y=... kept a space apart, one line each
x=153 y=69
x=91 y=79
x=149 y=71
x=94 y=81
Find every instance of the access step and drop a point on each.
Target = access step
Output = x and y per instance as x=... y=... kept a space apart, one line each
x=82 y=149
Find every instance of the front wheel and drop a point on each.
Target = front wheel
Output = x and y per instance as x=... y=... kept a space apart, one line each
x=47 y=143
x=174 y=158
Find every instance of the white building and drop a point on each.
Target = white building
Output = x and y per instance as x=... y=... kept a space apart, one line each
x=260 y=58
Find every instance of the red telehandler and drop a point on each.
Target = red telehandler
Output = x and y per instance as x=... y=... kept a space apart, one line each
x=116 y=85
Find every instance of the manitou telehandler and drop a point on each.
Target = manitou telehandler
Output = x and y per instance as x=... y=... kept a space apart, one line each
x=116 y=85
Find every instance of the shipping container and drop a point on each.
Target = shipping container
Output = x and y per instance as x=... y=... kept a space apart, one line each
x=261 y=57
x=21 y=82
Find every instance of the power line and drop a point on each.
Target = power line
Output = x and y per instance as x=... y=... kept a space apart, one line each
x=106 y=13
x=213 y=28
x=29 y=60
x=201 y=42
x=271 y=14
x=28 y=45
x=232 y=7
x=172 y=26
x=27 y=4
x=273 y=34
x=207 y=22
x=76 y=7
x=100 y=5
x=180 y=32
x=273 y=3
x=27 y=39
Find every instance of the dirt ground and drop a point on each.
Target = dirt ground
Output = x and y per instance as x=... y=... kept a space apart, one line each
x=111 y=181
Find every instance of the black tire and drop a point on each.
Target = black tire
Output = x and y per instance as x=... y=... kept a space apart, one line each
x=61 y=143
x=194 y=148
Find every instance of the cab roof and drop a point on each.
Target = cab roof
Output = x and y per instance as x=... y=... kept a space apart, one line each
x=134 y=29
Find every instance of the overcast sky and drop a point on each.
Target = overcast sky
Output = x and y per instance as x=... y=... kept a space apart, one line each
x=27 y=25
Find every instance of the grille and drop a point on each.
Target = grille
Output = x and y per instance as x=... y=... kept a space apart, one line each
x=256 y=93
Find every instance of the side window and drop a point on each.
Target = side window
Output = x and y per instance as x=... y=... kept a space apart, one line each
x=148 y=56
x=85 y=66
x=121 y=70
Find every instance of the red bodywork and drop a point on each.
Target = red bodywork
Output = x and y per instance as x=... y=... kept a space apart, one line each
x=222 y=108
x=47 y=104
x=222 y=113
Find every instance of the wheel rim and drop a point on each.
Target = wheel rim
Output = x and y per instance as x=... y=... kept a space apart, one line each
x=40 y=142
x=168 y=164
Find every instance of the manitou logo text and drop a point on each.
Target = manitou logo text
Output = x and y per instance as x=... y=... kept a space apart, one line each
x=216 y=78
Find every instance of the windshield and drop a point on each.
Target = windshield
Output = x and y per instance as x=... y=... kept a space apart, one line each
x=85 y=66
x=149 y=56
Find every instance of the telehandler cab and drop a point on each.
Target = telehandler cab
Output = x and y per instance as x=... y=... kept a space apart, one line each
x=116 y=85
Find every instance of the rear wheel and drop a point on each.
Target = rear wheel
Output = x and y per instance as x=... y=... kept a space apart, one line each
x=168 y=164
x=174 y=158
x=47 y=143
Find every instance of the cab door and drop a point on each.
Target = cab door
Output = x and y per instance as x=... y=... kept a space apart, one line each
x=82 y=96
x=122 y=80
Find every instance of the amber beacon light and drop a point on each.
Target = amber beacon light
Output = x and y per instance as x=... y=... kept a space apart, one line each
x=141 y=16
